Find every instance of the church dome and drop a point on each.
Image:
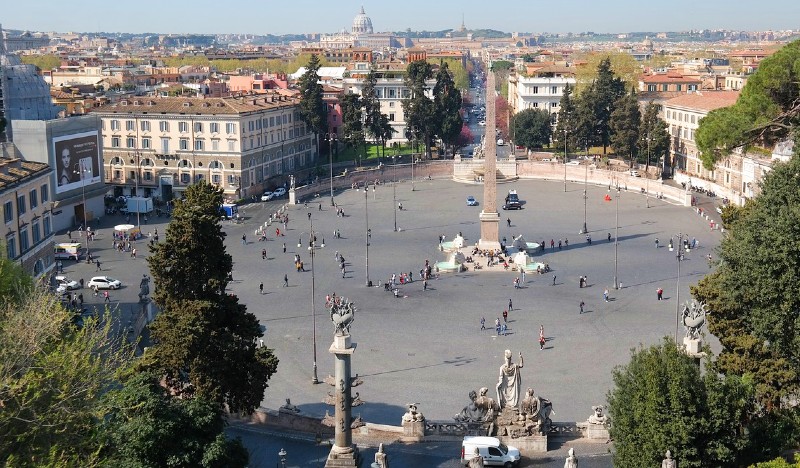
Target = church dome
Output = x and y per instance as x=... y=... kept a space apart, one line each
x=362 y=23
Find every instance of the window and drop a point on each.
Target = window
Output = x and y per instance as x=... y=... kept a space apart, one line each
x=11 y=246
x=271 y=122
x=198 y=127
x=164 y=145
x=535 y=90
x=554 y=90
x=391 y=104
x=8 y=211
x=21 y=205
x=692 y=118
x=198 y=145
x=185 y=178
x=215 y=178
x=47 y=227
x=24 y=242
x=231 y=145
x=145 y=125
x=146 y=143
x=230 y=128
x=44 y=193
x=184 y=144
x=130 y=125
x=130 y=142
x=163 y=126
x=553 y=105
x=664 y=87
x=115 y=125
x=36 y=231
x=651 y=88
x=214 y=145
x=115 y=142
x=33 y=198
x=391 y=116
x=214 y=127
x=148 y=175
x=231 y=179
x=678 y=87
x=535 y=104
x=183 y=127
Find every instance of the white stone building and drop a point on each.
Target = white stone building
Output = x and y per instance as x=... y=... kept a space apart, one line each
x=542 y=88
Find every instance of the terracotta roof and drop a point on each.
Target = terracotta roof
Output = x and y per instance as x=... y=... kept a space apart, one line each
x=670 y=78
x=205 y=106
x=706 y=100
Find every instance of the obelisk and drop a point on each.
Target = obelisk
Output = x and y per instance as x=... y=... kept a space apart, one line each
x=490 y=219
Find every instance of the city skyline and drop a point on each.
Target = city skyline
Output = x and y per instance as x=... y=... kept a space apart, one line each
x=618 y=16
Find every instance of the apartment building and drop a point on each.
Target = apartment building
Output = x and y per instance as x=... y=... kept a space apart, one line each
x=539 y=88
x=154 y=146
x=737 y=175
x=25 y=197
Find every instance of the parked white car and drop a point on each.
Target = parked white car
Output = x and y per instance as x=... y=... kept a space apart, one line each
x=279 y=192
x=634 y=173
x=267 y=196
x=64 y=284
x=104 y=282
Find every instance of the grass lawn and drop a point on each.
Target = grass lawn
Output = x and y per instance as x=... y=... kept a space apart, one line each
x=373 y=152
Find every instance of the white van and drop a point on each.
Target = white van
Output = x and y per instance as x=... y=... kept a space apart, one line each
x=491 y=450
x=67 y=251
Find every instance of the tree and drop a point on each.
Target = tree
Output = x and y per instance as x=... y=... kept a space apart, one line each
x=604 y=94
x=501 y=114
x=447 y=105
x=532 y=128
x=654 y=134
x=660 y=401
x=52 y=376
x=144 y=426
x=312 y=109
x=767 y=111
x=372 y=107
x=205 y=340
x=465 y=137
x=352 y=125
x=565 y=125
x=42 y=62
x=623 y=64
x=624 y=125
x=779 y=463
x=419 y=109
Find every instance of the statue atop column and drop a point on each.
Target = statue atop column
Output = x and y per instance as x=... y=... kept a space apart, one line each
x=668 y=461
x=509 y=383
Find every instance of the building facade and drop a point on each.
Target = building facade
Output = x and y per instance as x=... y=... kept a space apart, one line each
x=157 y=146
x=541 y=89
x=27 y=207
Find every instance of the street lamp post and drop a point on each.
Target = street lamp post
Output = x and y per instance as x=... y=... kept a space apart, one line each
x=394 y=191
x=616 y=241
x=368 y=231
x=83 y=198
x=311 y=247
x=413 y=157
x=565 y=159
x=331 y=140
x=679 y=258
x=585 y=188
x=647 y=174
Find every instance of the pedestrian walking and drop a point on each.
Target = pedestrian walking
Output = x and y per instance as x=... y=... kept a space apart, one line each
x=284 y=247
x=497 y=325
x=261 y=287
x=554 y=280
x=582 y=304
x=263 y=254
x=244 y=239
x=656 y=242
x=343 y=272
x=97 y=263
x=542 y=339
x=510 y=307
x=566 y=243
x=69 y=234
x=552 y=244
x=605 y=295
x=133 y=253
x=580 y=282
x=425 y=285
x=483 y=323
x=285 y=281
x=106 y=297
x=660 y=294
x=559 y=244
x=504 y=329
x=508 y=221
x=505 y=316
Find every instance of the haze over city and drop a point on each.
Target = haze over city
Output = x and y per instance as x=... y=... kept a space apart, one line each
x=307 y=16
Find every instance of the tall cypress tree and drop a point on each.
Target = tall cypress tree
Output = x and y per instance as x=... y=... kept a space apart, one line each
x=312 y=108
x=447 y=101
x=624 y=125
x=352 y=125
x=566 y=121
x=654 y=135
x=205 y=339
x=419 y=110
x=372 y=107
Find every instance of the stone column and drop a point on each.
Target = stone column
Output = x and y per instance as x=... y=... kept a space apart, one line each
x=343 y=452
x=490 y=219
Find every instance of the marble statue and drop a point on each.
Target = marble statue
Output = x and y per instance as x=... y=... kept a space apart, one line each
x=668 y=461
x=412 y=414
x=535 y=413
x=144 y=287
x=289 y=407
x=477 y=460
x=694 y=316
x=472 y=412
x=343 y=313
x=572 y=460
x=598 y=417
x=291 y=182
x=381 y=459
x=509 y=383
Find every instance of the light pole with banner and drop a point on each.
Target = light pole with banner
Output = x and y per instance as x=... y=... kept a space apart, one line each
x=332 y=140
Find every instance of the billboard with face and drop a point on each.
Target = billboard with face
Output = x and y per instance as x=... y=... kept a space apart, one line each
x=77 y=160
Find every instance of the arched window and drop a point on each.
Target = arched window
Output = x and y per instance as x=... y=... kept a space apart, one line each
x=184 y=164
x=38 y=267
x=147 y=162
x=116 y=161
x=215 y=165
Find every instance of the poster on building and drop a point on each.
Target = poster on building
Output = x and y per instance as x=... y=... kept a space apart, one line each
x=77 y=160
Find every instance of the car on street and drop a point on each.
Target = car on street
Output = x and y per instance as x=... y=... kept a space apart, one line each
x=634 y=173
x=719 y=209
x=266 y=196
x=104 y=282
x=573 y=163
x=279 y=192
x=482 y=123
x=65 y=284
x=500 y=142
x=471 y=201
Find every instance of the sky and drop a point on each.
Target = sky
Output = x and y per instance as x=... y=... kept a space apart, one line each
x=318 y=16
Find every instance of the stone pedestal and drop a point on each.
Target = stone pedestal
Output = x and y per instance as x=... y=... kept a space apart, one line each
x=292 y=197
x=692 y=346
x=413 y=431
x=595 y=431
x=343 y=452
x=490 y=231
x=527 y=444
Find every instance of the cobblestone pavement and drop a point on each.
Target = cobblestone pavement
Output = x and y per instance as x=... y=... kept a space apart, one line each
x=427 y=346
